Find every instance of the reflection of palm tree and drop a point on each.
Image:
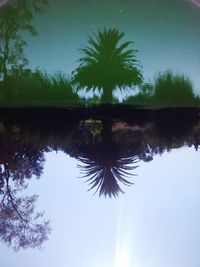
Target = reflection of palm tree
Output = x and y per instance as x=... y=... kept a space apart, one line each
x=104 y=163
x=105 y=171
x=107 y=65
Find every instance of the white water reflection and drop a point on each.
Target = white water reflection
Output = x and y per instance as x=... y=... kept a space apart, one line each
x=155 y=223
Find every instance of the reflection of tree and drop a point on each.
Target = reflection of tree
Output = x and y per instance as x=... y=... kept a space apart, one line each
x=104 y=164
x=104 y=169
x=15 y=17
x=108 y=149
x=175 y=127
x=20 y=225
x=107 y=65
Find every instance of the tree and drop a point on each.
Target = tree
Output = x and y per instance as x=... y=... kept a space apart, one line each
x=103 y=163
x=105 y=170
x=20 y=225
x=107 y=65
x=16 y=16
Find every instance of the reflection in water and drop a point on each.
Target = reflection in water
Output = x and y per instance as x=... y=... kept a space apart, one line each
x=15 y=17
x=20 y=225
x=107 y=65
x=109 y=144
x=103 y=164
x=108 y=148
x=103 y=170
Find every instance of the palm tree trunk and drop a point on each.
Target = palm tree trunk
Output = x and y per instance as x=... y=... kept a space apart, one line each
x=106 y=97
x=107 y=132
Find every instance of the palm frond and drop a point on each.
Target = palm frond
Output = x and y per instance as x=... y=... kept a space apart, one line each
x=106 y=175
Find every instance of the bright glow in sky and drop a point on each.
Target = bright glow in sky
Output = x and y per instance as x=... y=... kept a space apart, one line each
x=155 y=223
x=123 y=245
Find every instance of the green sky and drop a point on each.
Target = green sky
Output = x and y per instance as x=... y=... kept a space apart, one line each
x=165 y=32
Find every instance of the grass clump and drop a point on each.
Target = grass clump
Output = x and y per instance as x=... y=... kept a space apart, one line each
x=168 y=90
x=173 y=90
x=37 y=89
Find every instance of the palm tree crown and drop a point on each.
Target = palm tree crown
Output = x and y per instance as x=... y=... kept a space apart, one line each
x=106 y=170
x=107 y=64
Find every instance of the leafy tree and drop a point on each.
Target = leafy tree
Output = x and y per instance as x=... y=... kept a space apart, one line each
x=20 y=225
x=16 y=16
x=107 y=64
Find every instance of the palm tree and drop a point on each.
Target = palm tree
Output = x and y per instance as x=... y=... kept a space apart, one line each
x=107 y=64
x=105 y=169
x=104 y=164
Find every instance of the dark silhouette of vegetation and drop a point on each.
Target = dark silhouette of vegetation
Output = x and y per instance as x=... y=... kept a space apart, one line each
x=16 y=16
x=168 y=90
x=108 y=147
x=37 y=89
x=20 y=225
x=107 y=65
x=173 y=90
x=101 y=161
x=145 y=96
x=104 y=170
x=173 y=128
x=21 y=86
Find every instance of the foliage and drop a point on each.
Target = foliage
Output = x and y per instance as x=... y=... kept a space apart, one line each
x=168 y=90
x=144 y=97
x=37 y=88
x=108 y=152
x=21 y=226
x=107 y=64
x=173 y=90
x=105 y=170
x=16 y=16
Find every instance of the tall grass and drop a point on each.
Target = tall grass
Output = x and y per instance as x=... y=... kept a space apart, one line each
x=37 y=88
x=144 y=97
x=173 y=90
x=40 y=89
x=168 y=90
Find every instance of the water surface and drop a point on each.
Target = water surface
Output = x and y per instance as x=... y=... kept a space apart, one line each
x=154 y=222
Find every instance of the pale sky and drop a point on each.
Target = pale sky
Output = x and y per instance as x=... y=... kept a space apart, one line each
x=155 y=223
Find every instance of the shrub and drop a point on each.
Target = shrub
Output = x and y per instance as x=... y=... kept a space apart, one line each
x=173 y=90
x=31 y=87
